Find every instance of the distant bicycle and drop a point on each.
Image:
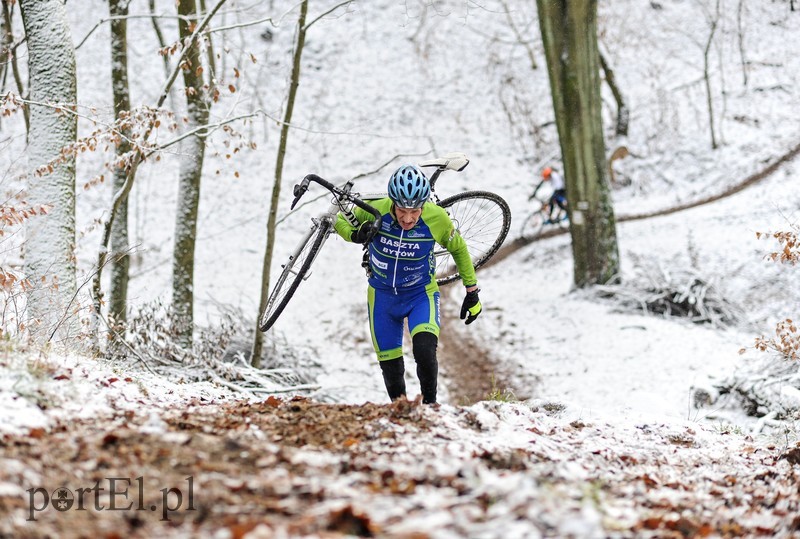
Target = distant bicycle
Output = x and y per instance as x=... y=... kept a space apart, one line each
x=482 y=218
x=539 y=220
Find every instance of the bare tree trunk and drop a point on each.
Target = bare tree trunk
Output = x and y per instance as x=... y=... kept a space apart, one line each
x=50 y=238
x=740 y=33
x=6 y=42
x=191 y=168
x=9 y=56
x=622 y=109
x=707 y=77
x=569 y=34
x=258 y=341
x=138 y=156
x=120 y=261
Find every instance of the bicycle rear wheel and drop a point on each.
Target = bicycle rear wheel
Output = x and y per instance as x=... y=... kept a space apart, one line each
x=294 y=272
x=483 y=220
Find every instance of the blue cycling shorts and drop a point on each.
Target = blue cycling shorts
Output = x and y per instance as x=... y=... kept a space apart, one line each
x=388 y=310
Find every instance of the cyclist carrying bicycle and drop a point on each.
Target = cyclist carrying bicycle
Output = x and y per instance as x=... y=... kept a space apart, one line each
x=559 y=196
x=402 y=284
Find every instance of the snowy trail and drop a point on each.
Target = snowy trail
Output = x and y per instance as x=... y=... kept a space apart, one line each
x=296 y=468
x=468 y=367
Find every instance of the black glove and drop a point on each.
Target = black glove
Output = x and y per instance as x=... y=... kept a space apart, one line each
x=364 y=233
x=471 y=307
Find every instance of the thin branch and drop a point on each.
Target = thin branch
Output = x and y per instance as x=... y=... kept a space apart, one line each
x=11 y=50
x=334 y=8
x=305 y=387
x=71 y=108
x=121 y=339
x=520 y=39
x=160 y=36
x=230 y=385
x=245 y=25
x=200 y=131
x=71 y=301
x=125 y=17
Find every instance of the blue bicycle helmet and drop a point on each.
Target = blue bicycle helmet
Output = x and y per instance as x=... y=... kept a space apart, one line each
x=408 y=187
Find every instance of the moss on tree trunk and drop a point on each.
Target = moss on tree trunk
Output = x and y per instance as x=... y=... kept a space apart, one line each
x=569 y=33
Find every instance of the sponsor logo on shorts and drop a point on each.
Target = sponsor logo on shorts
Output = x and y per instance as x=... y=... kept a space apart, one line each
x=413 y=281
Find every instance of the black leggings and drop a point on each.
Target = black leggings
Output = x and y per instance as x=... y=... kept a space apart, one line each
x=424 y=344
x=558 y=198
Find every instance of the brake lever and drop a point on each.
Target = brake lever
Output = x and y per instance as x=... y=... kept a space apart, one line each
x=299 y=190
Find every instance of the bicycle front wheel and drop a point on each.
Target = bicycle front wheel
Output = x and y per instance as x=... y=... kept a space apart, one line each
x=483 y=220
x=294 y=272
x=533 y=225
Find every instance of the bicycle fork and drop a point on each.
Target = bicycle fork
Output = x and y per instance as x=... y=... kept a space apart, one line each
x=295 y=268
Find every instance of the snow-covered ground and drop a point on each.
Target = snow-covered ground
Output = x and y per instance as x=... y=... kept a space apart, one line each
x=295 y=468
x=387 y=78
x=364 y=101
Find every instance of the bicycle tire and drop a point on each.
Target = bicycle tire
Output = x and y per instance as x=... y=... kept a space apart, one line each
x=562 y=220
x=532 y=226
x=483 y=219
x=292 y=275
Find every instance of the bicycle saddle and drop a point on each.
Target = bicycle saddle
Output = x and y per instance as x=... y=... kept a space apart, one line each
x=452 y=161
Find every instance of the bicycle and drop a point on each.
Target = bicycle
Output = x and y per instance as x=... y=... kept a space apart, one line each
x=482 y=218
x=534 y=224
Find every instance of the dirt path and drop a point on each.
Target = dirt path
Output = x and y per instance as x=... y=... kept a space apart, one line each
x=297 y=468
x=468 y=370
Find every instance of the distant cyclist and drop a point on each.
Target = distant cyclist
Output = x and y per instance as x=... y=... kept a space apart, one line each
x=559 y=196
x=402 y=284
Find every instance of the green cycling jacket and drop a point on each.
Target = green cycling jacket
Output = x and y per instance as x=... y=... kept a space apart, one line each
x=405 y=259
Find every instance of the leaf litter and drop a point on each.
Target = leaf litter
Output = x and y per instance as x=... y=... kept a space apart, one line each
x=298 y=468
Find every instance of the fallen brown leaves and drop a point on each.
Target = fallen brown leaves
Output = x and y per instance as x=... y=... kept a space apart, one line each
x=299 y=468
x=300 y=422
x=240 y=455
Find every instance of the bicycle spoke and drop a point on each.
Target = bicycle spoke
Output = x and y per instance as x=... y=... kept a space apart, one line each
x=483 y=220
